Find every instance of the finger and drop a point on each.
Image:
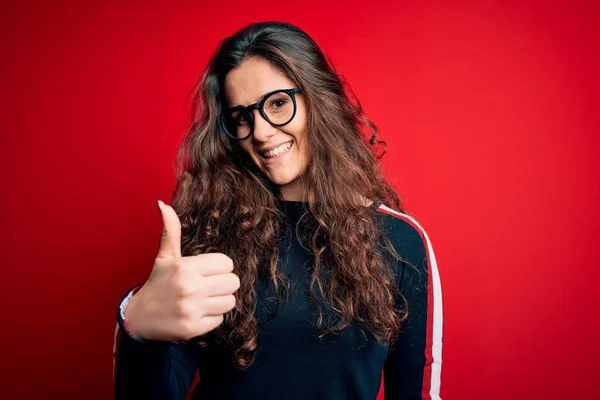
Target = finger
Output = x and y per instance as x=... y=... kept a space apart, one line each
x=221 y=285
x=219 y=305
x=170 y=241
x=208 y=264
x=206 y=324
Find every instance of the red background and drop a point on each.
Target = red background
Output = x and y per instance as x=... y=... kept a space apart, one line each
x=490 y=111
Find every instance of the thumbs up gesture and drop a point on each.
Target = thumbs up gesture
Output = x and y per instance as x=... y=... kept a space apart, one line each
x=184 y=297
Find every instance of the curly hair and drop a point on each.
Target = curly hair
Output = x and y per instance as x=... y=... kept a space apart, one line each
x=226 y=204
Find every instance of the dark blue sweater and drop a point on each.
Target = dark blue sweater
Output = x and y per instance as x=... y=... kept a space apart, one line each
x=291 y=363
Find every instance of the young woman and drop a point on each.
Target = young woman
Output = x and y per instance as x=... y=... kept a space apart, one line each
x=287 y=268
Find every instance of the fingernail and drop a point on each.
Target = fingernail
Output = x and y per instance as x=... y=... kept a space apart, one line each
x=160 y=203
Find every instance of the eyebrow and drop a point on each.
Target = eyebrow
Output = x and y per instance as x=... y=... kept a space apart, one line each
x=257 y=101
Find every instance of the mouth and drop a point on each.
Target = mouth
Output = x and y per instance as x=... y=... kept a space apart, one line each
x=277 y=153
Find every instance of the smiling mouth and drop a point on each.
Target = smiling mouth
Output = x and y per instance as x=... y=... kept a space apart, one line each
x=279 y=151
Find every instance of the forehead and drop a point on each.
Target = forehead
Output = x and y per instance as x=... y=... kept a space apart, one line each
x=256 y=76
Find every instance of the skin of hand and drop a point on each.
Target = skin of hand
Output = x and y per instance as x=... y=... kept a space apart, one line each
x=184 y=297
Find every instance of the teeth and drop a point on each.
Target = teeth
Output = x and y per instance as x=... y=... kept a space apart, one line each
x=278 y=150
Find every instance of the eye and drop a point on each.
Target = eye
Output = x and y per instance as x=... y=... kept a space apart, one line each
x=239 y=118
x=278 y=103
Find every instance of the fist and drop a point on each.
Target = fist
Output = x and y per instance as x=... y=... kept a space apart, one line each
x=184 y=297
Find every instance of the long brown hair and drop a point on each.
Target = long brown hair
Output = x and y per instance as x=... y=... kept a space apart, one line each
x=226 y=204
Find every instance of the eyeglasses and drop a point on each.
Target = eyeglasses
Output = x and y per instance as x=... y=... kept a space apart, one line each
x=278 y=108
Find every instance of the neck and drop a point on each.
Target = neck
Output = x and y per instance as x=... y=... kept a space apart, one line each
x=293 y=192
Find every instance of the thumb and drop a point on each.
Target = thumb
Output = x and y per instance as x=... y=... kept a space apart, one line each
x=170 y=241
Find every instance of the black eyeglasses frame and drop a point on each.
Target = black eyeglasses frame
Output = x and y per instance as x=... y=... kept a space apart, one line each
x=260 y=106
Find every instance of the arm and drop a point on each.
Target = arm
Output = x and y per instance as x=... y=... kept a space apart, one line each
x=150 y=369
x=413 y=367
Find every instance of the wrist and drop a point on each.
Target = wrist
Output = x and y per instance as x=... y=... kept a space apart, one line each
x=122 y=314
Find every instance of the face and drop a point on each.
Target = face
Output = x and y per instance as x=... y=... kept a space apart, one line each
x=246 y=85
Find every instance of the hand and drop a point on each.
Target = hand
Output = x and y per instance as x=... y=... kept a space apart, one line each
x=184 y=297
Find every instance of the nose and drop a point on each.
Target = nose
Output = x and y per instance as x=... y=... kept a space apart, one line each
x=263 y=130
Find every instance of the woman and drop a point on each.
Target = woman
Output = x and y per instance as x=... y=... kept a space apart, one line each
x=287 y=268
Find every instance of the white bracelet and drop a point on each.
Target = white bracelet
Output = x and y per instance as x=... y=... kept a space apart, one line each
x=124 y=304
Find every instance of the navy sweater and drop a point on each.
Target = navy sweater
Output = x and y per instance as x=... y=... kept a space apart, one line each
x=291 y=363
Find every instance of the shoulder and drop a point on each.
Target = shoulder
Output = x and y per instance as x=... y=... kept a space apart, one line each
x=406 y=234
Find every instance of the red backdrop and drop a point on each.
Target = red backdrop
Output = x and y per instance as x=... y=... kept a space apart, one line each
x=490 y=111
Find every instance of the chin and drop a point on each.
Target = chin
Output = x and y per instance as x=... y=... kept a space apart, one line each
x=283 y=181
x=284 y=177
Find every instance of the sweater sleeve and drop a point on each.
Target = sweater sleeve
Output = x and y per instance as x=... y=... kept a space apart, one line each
x=413 y=367
x=150 y=369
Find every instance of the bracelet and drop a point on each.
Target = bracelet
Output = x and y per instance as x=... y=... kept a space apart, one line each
x=121 y=314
